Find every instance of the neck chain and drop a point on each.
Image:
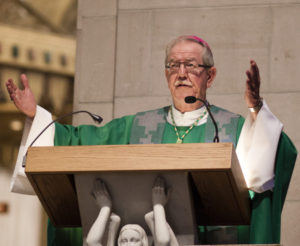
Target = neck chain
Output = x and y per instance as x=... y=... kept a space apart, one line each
x=180 y=139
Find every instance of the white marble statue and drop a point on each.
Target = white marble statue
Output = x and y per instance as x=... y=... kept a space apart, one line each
x=131 y=234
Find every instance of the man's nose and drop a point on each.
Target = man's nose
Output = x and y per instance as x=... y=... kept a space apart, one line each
x=182 y=70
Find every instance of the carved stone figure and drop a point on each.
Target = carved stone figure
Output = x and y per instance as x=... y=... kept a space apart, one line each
x=131 y=234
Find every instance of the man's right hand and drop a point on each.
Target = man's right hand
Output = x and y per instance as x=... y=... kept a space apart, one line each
x=23 y=99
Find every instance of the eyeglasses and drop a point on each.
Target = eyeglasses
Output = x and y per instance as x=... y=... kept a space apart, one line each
x=190 y=66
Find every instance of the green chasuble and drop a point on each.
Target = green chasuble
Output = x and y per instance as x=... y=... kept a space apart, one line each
x=266 y=207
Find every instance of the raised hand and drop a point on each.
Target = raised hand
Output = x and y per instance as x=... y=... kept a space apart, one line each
x=252 y=96
x=23 y=99
x=100 y=193
x=159 y=193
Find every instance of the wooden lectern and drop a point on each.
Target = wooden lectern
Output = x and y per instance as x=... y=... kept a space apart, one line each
x=214 y=180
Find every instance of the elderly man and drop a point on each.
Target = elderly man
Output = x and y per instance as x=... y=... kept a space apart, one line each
x=266 y=154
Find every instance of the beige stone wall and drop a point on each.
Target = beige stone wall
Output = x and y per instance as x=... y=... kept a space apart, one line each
x=120 y=54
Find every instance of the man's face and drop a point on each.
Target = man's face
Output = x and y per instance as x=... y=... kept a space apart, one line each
x=183 y=83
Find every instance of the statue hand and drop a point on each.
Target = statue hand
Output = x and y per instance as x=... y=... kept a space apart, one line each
x=23 y=99
x=252 y=96
x=114 y=218
x=101 y=194
x=159 y=195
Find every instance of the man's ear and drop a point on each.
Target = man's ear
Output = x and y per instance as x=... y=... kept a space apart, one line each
x=167 y=77
x=211 y=75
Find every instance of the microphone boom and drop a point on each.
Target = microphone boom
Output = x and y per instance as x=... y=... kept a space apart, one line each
x=98 y=119
x=192 y=99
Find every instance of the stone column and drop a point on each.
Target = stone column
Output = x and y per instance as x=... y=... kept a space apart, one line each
x=95 y=58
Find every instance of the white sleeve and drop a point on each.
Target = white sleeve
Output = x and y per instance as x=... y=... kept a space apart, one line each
x=32 y=128
x=256 y=149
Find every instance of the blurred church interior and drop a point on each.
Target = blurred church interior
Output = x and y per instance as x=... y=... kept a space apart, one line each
x=38 y=39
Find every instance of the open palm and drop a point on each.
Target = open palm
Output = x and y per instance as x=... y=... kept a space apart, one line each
x=23 y=99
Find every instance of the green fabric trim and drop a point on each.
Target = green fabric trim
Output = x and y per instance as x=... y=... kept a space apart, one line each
x=148 y=127
x=227 y=123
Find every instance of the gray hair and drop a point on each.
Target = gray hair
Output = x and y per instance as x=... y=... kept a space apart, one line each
x=136 y=228
x=207 y=55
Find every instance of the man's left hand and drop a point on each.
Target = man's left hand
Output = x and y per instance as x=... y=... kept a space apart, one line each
x=252 y=96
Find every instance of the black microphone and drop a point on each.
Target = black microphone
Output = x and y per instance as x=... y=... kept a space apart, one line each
x=192 y=99
x=98 y=119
